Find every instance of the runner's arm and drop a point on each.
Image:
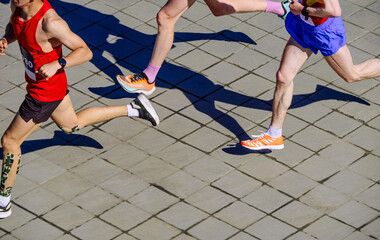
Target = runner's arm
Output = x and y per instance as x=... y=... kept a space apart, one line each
x=331 y=9
x=9 y=36
x=56 y=28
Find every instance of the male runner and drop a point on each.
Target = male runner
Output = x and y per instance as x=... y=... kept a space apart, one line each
x=313 y=25
x=144 y=82
x=41 y=33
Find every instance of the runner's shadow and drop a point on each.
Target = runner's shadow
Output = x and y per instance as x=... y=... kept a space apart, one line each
x=113 y=42
x=59 y=139
x=5 y=1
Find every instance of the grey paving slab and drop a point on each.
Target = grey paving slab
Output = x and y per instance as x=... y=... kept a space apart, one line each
x=188 y=179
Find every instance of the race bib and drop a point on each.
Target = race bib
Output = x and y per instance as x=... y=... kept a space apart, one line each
x=28 y=60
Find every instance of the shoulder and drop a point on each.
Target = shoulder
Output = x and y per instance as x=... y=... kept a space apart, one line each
x=52 y=23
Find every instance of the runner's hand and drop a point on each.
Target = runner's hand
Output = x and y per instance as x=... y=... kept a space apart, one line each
x=3 y=46
x=48 y=70
x=296 y=7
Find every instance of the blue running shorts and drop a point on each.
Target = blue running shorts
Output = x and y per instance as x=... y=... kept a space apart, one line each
x=328 y=37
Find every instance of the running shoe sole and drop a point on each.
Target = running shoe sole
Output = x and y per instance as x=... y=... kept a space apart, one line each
x=148 y=106
x=265 y=147
x=134 y=90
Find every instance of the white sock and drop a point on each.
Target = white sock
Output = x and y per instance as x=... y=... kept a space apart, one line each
x=274 y=132
x=4 y=200
x=132 y=112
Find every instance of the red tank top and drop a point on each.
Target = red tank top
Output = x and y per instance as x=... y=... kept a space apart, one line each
x=34 y=57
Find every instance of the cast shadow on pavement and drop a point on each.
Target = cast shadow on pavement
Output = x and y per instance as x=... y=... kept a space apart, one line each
x=132 y=49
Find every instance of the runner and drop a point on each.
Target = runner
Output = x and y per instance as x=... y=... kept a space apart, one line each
x=167 y=17
x=314 y=25
x=41 y=33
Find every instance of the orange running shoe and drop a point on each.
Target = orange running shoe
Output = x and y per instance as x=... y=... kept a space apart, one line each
x=264 y=141
x=136 y=83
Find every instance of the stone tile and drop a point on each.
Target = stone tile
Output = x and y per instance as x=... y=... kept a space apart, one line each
x=370 y=196
x=216 y=73
x=348 y=182
x=33 y=231
x=124 y=185
x=96 y=170
x=368 y=166
x=39 y=201
x=208 y=169
x=154 y=229
x=329 y=229
x=124 y=156
x=297 y=214
x=125 y=128
x=125 y=237
x=181 y=184
x=41 y=171
x=142 y=10
x=342 y=152
x=237 y=184
x=242 y=236
x=239 y=215
x=96 y=230
x=270 y=228
x=271 y=45
x=266 y=199
x=209 y=199
x=66 y=237
x=96 y=201
x=212 y=228
x=139 y=141
x=67 y=185
x=301 y=236
x=153 y=200
x=182 y=215
x=324 y=199
x=197 y=60
x=313 y=138
x=153 y=170
x=372 y=229
x=179 y=154
x=289 y=157
x=293 y=183
x=68 y=156
x=263 y=168
x=358 y=236
x=178 y=126
x=360 y=112
x=354 y=214
x=22 y=186
x=68 y=216
x=125 y=216
x=18 y=218
x=318 y=168
x=183 y=237
x=209 y=143
x=338 y=124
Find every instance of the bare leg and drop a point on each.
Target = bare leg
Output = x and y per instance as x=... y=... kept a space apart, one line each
x=166 y=20
x=343 y=65
x=226 y=7
x=293 y=58
x=11 y=141
x=66 y=117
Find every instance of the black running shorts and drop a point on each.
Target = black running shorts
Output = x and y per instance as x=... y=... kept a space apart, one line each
x=36 y=110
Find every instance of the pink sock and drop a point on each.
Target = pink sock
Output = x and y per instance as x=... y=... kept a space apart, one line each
x=151 y=72
x=275 y=7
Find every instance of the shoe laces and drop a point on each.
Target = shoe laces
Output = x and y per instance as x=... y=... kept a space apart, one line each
x=138 y=77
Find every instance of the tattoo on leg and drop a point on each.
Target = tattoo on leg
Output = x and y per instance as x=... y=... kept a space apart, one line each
x=74 y=129
x=4 y=175
x=18 y=163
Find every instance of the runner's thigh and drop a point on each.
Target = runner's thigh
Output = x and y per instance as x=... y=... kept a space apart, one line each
x=64 y=115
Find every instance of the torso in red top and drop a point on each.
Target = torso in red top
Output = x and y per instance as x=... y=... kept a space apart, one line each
x=34 y=57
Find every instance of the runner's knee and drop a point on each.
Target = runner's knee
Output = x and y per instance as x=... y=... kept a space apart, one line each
x=283 y=77
x=163 y=18
x=8 y=142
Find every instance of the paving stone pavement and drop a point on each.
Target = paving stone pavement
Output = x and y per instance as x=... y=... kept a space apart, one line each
x=187 y=178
